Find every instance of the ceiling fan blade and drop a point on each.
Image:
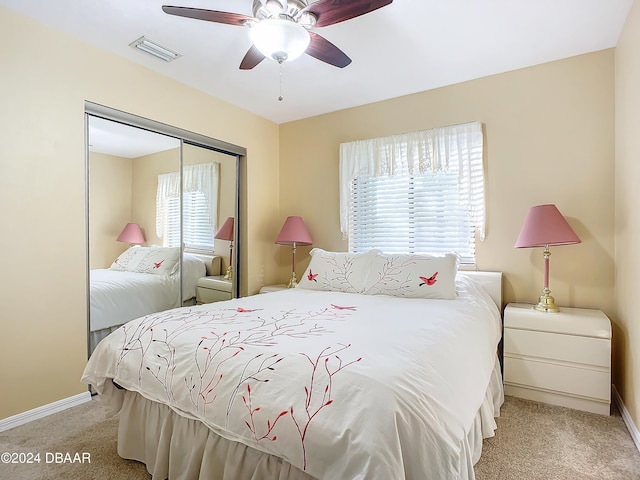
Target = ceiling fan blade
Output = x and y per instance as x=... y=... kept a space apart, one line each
x=252 y=58
x=324 y=50
x=328 y=12
x=207 y=15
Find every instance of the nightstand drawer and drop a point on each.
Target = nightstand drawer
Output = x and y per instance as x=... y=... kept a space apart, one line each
x=213 y=289
x=207 y=295
x=559 y=378
x=561 y=358
x=567 y=348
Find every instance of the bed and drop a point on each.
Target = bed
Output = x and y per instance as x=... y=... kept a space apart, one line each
x=140 y=281
x=375 y=367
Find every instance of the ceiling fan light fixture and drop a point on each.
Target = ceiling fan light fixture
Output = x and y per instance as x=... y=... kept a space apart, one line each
x=307 y=19
x=274 y=7
x=279 y=39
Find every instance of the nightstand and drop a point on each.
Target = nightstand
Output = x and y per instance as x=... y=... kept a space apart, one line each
x=273 y=288
x=213 y=289
x=560 y=358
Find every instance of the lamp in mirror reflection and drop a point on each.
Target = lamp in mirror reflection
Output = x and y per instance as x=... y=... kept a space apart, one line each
x=545 y=226
x=294 y=232
x=226 y=233
x=131 y=234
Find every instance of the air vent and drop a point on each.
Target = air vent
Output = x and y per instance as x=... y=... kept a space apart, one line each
x=152 y=48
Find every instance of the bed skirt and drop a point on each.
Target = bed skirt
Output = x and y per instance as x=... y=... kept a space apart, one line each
x=179 y=448
x=96 y=336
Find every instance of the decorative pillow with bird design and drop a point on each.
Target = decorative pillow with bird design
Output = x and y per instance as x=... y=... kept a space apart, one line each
x=155 y=260
x=337 y=271
x=159 y=261
x=413 y=275
x=128 y=260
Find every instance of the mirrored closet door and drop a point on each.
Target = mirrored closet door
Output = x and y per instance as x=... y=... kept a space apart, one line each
x=157 y=200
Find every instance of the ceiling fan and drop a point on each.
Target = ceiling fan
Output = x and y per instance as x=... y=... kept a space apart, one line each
x=280 y=29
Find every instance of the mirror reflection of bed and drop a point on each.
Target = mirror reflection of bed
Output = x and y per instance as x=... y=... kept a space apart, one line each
x=144 y=203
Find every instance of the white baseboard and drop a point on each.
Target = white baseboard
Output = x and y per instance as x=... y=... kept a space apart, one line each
x=43 y=411
x=628 y=421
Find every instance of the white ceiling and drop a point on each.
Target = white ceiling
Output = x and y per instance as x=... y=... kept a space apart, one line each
x=114 y=138
x=406 y=47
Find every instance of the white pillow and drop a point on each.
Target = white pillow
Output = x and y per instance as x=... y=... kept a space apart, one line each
x=158 y=261
x=337 y=271
x=413 y=276
x=128 y=260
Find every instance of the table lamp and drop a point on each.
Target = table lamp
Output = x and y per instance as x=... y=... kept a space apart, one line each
x=132 y=234
x=294 y=232
x=545 y=226
x=226 y=233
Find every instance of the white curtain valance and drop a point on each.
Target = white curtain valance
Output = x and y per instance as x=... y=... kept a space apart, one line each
x=201 y=177
x=456 y=148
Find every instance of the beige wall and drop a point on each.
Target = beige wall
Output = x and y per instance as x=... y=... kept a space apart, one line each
x=110 y=180
x=43 y=323
x=548 y=139
x=627 y=215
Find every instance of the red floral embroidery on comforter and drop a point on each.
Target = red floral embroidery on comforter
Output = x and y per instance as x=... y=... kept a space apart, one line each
x=223 y=346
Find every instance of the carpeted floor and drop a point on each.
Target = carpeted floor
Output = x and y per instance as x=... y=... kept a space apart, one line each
x=533 y=442
x=82 y=429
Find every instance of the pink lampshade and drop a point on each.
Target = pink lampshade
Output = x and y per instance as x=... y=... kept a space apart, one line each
x=226 y=230
x=294 y=231
x=131 y=233
x=545 y=225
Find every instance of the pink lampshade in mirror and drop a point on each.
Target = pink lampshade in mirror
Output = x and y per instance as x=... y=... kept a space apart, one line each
x=226 y=233
x=226 y=230
x=131 y=233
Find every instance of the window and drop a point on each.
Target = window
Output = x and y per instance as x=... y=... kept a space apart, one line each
x=402 y=215
x=198 y=232
x=415 y=193
x=199 y=207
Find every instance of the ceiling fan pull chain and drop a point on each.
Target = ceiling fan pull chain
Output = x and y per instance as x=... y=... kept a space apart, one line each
x=280 y=97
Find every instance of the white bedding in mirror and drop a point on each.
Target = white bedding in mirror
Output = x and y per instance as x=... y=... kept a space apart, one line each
x=118 y=297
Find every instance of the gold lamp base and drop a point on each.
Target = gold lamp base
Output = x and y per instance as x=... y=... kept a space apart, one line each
x=293 y=282
x=229 y=274
x=547 y=303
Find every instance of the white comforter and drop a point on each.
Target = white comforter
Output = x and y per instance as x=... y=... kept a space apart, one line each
x=343 y=386
x=117 y=297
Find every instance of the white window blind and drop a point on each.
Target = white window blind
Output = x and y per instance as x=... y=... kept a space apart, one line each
x=199 y=208
x=416 y=193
